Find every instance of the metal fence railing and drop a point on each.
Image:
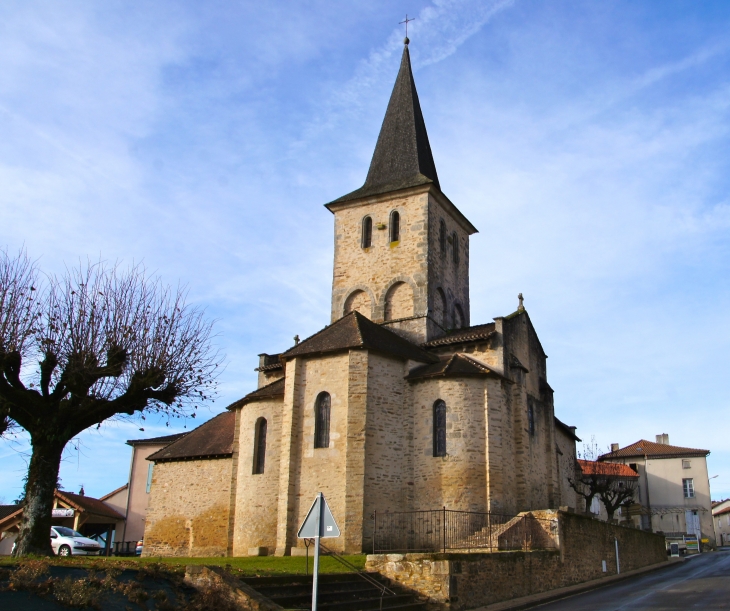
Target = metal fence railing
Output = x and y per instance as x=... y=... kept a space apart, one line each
x=442 y=530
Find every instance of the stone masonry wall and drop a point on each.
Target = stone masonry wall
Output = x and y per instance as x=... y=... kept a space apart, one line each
x=439 y=481
x=257 y=495
x=377 y=268
x=444 y=273
x=188 y=508
x=321 y=469
x=466 y=581
x=388 y=481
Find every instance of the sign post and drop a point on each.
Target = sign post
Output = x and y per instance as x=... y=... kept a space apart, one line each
x=319 y=523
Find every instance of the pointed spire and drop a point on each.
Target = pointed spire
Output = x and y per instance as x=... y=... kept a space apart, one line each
x=402 y=156
x=403 y=151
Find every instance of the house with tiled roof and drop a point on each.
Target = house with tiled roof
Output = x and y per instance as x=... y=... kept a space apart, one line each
x=673 y=494
x=721 y=521
x=400 y=403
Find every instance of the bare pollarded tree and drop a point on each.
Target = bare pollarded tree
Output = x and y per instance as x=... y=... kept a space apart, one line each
x=75 y=350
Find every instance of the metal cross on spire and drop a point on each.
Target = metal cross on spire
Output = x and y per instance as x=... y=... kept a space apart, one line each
x=406 y=21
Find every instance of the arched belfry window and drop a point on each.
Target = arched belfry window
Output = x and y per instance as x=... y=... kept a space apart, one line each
x=439 y=428
x=455 y=244
x=394 y=226
x=259 y=447
x=442 y=237
x=367 y=232
x=322 y=420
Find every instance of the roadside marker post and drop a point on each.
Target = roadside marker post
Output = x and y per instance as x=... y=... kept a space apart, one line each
x=319 y=524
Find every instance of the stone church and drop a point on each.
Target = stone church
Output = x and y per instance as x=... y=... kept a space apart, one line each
x=399 y=404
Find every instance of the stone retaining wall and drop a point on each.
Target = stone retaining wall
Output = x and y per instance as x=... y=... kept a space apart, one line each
x=456 y=581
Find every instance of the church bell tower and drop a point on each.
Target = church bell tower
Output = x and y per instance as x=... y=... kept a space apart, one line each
x=401 y=246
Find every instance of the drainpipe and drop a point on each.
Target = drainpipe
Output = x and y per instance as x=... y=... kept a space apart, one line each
x=618 y=566
x=648 y=498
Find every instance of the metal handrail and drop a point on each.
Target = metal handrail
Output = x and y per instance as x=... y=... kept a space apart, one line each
x=347 y=564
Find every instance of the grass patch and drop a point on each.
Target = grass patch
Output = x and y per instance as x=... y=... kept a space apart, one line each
x=247 y=565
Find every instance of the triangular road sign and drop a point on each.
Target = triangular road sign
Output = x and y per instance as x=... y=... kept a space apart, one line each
x=319 y=521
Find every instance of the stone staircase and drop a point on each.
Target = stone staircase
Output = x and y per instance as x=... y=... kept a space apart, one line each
x=337 y=592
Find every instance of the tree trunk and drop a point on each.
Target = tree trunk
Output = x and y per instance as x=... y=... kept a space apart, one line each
x=35 y=527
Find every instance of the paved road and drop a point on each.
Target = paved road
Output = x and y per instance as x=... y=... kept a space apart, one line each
x=702 y=582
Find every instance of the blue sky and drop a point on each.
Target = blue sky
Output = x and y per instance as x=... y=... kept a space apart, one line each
x=588 y=142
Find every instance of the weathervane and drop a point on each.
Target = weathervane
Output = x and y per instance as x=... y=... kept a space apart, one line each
x=406 y=20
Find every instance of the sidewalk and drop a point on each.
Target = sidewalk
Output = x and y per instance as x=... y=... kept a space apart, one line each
x=526 y=602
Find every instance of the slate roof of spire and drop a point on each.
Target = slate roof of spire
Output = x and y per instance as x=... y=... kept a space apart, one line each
x=354 y=331
x=402 y=156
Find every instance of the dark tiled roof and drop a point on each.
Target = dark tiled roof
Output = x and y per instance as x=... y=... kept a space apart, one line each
x=649 y=448
x=570 y=430
x=212 y=439
x=155 y=440
x=269 y=362
x=354 y=331
x=88 y=504
x=592 y=467
x=270 y=391
x=461 y=336
x=402 y=156
x=7 y=510
x=456 y=365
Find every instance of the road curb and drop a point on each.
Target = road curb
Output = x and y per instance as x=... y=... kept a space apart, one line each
x=527 y=602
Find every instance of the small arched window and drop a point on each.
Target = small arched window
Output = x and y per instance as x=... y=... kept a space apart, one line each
x=394 y=226
x=455 y=244
x=367 y=232
x=442 y=237
x=439 y=428
x=259 y=447
x=322 y=421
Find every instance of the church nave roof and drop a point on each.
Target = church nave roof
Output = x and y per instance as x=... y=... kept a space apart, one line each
x=456 y=365
x=354 y=331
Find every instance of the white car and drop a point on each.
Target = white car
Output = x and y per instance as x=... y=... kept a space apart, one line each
x=67 y=542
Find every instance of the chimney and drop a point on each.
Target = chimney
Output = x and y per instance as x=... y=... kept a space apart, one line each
x=663 y=439
x=614 y=447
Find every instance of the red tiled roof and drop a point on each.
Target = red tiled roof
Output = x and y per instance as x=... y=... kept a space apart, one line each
x=722 y=512
x=649 y=448
x=592 y=467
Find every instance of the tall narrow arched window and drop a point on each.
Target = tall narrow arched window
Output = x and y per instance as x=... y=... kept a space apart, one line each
x=367 y=232
x=322 y=421
x=394 y=226
x=531 y=419
x=442 y=237
x=455 y=244
x=259 y=447
x=439 y=428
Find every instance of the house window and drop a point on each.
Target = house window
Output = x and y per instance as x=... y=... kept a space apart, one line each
x=322 y=421
x=150 y=468
x=634 y=466
x=689 y=488
x=367 y=232
x=394 y=226
x=442 y=237
x=686 y=464
x=531 y=419
x=455 y=245
x=439 y=428
x=259 y=447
